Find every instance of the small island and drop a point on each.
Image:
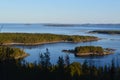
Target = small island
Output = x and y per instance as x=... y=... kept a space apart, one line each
x=106 y=31
x=90 y=51
x=59 y=25
x=36 y=38
x=9 y=52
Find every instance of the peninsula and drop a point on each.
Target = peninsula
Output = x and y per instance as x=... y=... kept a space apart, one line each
x=35 y=39
x=9 y=52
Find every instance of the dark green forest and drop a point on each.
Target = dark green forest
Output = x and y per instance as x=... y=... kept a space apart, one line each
x=29 y=38
x=11 y=69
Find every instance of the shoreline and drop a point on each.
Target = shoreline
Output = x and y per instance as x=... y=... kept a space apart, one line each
x=110 y=32
x=23 y=56
x=41 y=43
x=37 y=39
x=92 y=54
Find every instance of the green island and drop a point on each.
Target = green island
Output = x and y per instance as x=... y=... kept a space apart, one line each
x=34 y=38
x=90 y=51
x=9 y=52
x=106 y=31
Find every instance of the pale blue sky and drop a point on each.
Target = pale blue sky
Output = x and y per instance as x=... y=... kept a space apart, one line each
x=59 y=11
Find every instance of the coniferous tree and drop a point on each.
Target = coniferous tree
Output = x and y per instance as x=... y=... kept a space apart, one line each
x=67 y=60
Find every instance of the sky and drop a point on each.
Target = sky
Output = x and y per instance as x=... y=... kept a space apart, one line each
x=60 y=11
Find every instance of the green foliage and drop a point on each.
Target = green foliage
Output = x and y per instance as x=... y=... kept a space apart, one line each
x=29 y=38
x=75 y=69
x=89 y=49
x=85 y=68
x=8 y=52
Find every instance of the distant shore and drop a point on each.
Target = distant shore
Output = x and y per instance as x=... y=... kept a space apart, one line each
x=85 y=24
x=106 y=31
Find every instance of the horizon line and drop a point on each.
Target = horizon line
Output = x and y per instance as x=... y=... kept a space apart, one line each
x=53 y=23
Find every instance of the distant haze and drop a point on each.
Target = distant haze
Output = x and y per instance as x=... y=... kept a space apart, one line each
x=60 y=11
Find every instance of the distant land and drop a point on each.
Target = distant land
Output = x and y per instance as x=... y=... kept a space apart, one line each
x=52 y=24
x=61 y=24
x=106 y=31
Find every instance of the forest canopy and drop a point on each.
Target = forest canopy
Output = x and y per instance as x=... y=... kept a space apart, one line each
x=90 y=51
x=30 y=38
x=9 y=52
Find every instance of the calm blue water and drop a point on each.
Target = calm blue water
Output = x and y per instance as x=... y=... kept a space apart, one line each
x=55 y=49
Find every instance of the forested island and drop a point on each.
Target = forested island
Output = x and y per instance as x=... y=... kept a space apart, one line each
x=9 y=52
x=90 y=51
x=106 y=31
x=34 y=39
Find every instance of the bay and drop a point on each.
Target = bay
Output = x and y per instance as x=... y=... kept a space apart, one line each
x=55 y=49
